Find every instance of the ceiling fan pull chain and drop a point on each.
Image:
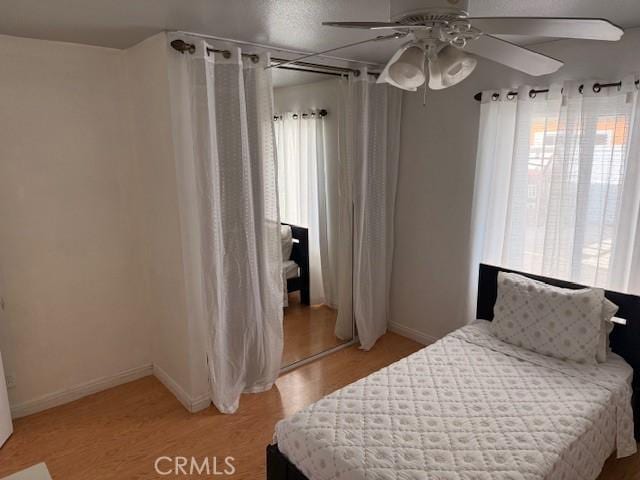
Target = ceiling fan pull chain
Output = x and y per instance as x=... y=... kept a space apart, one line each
x=424 y=91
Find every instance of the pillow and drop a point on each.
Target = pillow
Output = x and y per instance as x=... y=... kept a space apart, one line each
x=287 y=242
x=609 y=309
x=558 y=322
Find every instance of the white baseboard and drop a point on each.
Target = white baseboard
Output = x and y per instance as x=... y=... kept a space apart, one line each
x=61 y=397
x=190 y=403
x=74 y=393
x=411 y=333
x=200 y=402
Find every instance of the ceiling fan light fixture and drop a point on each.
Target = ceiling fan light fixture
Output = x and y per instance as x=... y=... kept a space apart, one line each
x=405 y=71
x=450 y=67
x=443 y=25
x=408 y=70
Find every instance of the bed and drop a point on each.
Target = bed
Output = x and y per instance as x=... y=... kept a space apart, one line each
x=295 y=250
x=472 y=406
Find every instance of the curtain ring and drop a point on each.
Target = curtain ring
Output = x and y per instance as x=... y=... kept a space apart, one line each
x=295 y=116
x=226 y=53
x=532 y=93
x=495 y=96
x=596 y=88
x=254 y=58
x=580 y=88
x=511 y=96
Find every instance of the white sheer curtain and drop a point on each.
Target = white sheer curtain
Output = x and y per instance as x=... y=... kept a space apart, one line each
x=557 y=184
x=375 y=138
x=223 y=130
x=344 y=232
x=303 y=177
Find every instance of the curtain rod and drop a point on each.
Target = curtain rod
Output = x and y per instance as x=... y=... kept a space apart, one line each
x=272 y=48
x=533 y=92
x=309 y=70
x=182 y=47
x=321 y=113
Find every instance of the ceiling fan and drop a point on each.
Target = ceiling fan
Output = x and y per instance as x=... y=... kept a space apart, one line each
x=443 y=40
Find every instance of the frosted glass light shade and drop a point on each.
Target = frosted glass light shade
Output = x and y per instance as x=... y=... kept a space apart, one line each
x=408 y=70
x=450 y=67
x=405 y=70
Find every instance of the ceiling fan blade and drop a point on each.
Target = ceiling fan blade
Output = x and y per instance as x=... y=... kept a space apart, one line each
x=583 y=28
x=379 y=38
x=367 y=25
x=512 y=55
x=374 y=25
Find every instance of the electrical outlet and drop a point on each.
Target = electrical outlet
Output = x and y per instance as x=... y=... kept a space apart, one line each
x=11 y=381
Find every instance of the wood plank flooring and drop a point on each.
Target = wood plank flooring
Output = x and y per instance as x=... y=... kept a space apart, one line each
x=308 y=330
x=118 y=433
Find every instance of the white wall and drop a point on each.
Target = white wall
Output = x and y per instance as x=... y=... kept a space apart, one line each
x=156 y=202
x=313 y=95
x=68 y=253
x=437 y=162
x=91 y=263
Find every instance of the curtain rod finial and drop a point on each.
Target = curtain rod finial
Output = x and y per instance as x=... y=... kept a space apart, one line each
x=182 y=46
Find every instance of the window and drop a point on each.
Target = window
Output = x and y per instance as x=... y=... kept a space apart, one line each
x=578 y=171
x=560 y=187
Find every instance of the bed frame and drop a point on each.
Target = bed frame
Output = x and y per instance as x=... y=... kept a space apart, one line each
x=300 y=255
x=625 y=341
x=279 y=467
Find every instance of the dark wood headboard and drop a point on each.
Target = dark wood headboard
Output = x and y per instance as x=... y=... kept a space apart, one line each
x=300 y=250
x=300 y=255
x=625 y=339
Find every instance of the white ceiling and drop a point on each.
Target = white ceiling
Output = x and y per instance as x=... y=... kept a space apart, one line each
x=284 y=23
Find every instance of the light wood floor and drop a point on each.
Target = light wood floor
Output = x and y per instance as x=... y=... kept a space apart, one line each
x=117 y=434
x=308 y=330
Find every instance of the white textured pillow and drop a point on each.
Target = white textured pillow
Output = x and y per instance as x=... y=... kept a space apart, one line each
x=553 y=321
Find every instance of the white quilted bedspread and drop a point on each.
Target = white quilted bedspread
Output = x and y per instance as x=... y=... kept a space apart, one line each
x=467 y=407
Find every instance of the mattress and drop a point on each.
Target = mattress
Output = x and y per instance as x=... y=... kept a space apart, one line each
x=290 y=269
x=286 y=238
x=467 y=407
